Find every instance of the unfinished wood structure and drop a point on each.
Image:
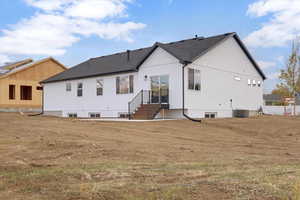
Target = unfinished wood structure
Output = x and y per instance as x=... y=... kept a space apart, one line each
x=19 y=83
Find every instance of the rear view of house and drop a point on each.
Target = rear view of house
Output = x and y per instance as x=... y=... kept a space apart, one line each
x=19 y=83
x=194 y=78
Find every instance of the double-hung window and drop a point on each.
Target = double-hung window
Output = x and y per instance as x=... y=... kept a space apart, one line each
x=124 y=84
x=79 y=89
x=194 y=76
x=68 y=87
x=99 y=87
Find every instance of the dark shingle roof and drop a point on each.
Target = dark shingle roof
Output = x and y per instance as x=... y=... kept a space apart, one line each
x=184 y=51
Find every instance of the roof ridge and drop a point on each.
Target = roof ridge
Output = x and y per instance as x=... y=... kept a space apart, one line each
x=122 y=52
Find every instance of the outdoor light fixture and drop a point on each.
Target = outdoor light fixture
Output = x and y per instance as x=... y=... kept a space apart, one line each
x=145 y=77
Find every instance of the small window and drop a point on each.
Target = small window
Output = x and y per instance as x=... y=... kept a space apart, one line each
x=210 y=115
x=253 y=83
x=68 y=87
x=249 y=82
x=124 y=84
x=79 y=89
x=12 y=92
x=72 y=115
x=123 y=115
x=95 y=115
x=26 y=92
x=99 y=87
x=258 y=83
x=194 y=76
x=237 y=78
x=39 y=88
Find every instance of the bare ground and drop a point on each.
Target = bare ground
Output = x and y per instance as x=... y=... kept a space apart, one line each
x=49 y=158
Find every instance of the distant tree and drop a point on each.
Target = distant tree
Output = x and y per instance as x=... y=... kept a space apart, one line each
x=283 y=92
x=289 y=77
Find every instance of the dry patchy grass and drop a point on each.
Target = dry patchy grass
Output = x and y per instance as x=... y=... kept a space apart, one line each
x=49 y=158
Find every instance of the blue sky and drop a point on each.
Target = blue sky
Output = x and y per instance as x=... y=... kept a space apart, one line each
x=75 y=30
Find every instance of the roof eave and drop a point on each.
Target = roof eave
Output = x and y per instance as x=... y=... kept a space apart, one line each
x=250 y=56
x=89 y=76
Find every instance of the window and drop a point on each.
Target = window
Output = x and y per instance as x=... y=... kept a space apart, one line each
x=237 y=78
x=26 y=92
x=72 y=115
x=124 y=84
x=210 y=115
x=95 y=115
x=258 y=83
x=68 y=87
x=253 y=83
x=194 y=79
x=123 y=115
x=12 y=92
x=249 y=82
x=79 y=89
x=99 y=87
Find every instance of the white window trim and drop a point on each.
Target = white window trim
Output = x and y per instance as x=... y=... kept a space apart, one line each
x=188 y=79
x=102 y=81
x=68 y=87
x=80 y=89
x=129 y=91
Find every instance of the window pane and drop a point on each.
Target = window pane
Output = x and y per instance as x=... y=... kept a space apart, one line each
x=124 y=85
x=118 y=85
x=99 y=87
x=131 y=83
x=197 y=80
x=68 y=87
x=80 y=90
x=191 y=79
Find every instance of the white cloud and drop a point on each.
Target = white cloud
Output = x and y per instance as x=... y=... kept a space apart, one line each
x=91 y=8
x=273 y=75
x=283 y=26
x=4 y=59
x=266 y=64
x=47 y=4
x=60 y=23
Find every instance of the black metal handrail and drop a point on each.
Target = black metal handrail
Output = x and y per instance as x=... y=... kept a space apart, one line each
x=145 y=97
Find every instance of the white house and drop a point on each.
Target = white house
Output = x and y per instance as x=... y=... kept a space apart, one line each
x=194 y=78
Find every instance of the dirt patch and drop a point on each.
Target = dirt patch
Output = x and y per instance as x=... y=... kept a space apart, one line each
x=51 y=158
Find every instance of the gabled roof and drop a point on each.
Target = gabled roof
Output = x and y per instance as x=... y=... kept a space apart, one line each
x=10 y=66
x=186 y=51
x=16 y=67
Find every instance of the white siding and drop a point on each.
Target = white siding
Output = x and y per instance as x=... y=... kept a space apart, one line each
x=111 y=104
x=163 y=63
x=219 y=67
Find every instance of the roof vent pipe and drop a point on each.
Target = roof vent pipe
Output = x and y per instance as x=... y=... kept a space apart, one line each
x=128 y=55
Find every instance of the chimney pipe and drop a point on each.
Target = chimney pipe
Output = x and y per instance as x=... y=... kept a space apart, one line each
x=128 y=55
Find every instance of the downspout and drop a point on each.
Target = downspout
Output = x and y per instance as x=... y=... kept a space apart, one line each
x=185 y=63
